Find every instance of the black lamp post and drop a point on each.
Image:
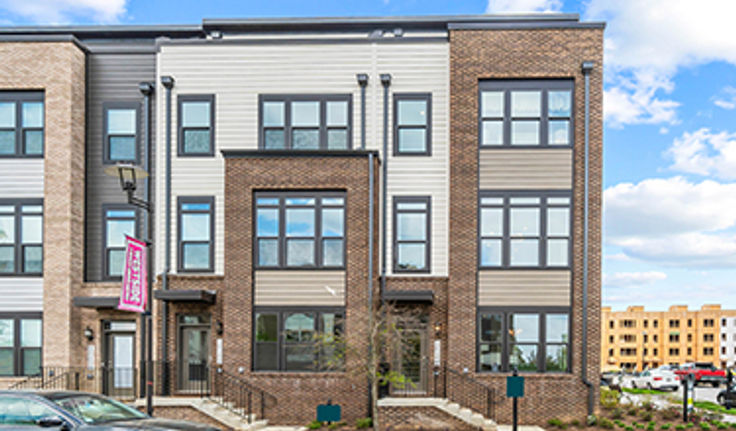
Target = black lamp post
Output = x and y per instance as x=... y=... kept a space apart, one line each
x=129 y=176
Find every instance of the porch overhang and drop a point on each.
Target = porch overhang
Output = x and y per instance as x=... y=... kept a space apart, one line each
x=201 y=296
x=409 y=296
x=96 y=301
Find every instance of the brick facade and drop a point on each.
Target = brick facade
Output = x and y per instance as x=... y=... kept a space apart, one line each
x=523 y=54
x=404 y=418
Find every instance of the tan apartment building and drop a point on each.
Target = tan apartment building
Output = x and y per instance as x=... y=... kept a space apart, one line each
x=636 y=339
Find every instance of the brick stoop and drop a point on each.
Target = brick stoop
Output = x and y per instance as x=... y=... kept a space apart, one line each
x=429 y=414
x=207 y=409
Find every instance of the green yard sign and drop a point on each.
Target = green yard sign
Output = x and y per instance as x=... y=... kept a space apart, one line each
x=514 y=386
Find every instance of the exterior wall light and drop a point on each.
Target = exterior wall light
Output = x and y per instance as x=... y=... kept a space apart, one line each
x=89 y=334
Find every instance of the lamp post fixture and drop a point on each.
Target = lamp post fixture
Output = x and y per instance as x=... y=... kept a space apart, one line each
x=129 y=175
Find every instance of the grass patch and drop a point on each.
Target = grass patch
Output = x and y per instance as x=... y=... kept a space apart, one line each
x=713 y=407
x=640 y=391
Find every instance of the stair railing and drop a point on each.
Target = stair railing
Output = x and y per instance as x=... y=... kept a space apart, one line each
x=463 y=389
x=239 y=396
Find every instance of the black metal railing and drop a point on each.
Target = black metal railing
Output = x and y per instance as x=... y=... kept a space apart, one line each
x=116 y=382
x=240 y=396
x=465 y=390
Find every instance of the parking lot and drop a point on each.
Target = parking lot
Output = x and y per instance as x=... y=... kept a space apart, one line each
x=702 y=393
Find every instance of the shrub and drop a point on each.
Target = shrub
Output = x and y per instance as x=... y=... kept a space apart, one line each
x=722 y=426
x=648 y=406
x=666 y=426
x=705 y=426
x=650 y=427
x=632 y=411
x=575 y=423
x=314 y=425
x=335 y=425
x=605 y=423
x=680 y=427
x=629 y=428
x=554 y=422
x=617 y=413
x=591 y=420
x=671 y=413
x=363 y=423
x=690 y=425
x=646 y=415
x=733 y=425
x=609 y=399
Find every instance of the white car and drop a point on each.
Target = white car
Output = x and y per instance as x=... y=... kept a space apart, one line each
x=660 y=379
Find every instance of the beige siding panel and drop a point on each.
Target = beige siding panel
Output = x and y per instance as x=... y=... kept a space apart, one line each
x=539 y=287
x=325 y=288
x=510 y=169
x=21 y=178
x=21 y=294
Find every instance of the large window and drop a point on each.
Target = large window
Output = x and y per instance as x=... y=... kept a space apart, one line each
x=529 y=113
x=525 y=230
x=20 y=344
x=21 y=237
x=21 y=124
x=120 y=131
x=412 y=124
x=120 y=220
x=305 y=122
x=411 y=234
x=297 y=340
x=298 y=230
x=196 y=121
x=196 y=234
x=527 y=340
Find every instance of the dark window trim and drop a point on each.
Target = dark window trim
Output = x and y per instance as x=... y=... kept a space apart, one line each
x=105 y=209
x=428 y=127
x=181 y=99
x=17 y=348
x=17 y=242
x=180 y=200
x=323 y=127
x=544 y=85
x=428 y=242
x=281 y=312
x=282 y=238
x=18 y=97
x=543 y=237
x=106 y=106
x=506 y=313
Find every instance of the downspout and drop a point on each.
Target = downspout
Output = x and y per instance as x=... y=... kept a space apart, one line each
x=363 y=82
x=386 y=82
x=168 y=83
x=587 y=67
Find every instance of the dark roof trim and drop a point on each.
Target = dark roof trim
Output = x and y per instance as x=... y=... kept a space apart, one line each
x=110 y=31
x=234 y=154
x=109 y=48
x=39 y=38
x=301 y=41
x=424 y=296
x=523 y=25
x=96 y=301
x=194 y=295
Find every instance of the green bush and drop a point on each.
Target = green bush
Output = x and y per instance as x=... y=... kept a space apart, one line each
x=690 y=424
x=363 y=423
x=335 y=425
x=554 y=422
x=609 y=399
x=722 y=426
x=314 y=425
x=733 y=425
x=671 y=413
x=666 y=426
x=648 y=406
x=705 y=426
x=629 y=428
x=591 y=420
x=575 y=423
x=632 y=411
x=680 y=427
x=605 y=423
x=617 y=413
x=620 y=424
x=650 y=427
x=647 y=415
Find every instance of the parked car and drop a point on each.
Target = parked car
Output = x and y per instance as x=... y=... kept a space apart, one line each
x=70 y=411
x=727 y=397
x=702 y=372
x=657 y=378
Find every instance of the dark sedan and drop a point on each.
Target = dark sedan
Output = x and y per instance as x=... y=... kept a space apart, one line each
x=727 y=397
x=68 y=411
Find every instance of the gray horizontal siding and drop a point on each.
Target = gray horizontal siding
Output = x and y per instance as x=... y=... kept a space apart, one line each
x=21 y=294
x=111 y=77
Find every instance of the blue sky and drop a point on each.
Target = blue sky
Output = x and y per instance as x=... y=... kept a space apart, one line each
x=670 y=135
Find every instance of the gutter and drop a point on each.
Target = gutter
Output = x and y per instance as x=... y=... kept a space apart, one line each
x=386 y=82
x=586 y=67
x=168 y=83
x=146 y=89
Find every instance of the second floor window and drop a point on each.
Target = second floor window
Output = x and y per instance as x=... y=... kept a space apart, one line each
x=119 y=222
x=196 y=125
x=21 y=238
x=411 y=234
x=196 y=232
x=305 y=122
x=412 y=124
x=120 y=132
x=21 y=124
x=524 y=230
x=298 y=230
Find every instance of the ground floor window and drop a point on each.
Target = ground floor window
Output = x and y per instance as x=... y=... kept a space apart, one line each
x=297 y=339
x=20 y=344
x=533 y=340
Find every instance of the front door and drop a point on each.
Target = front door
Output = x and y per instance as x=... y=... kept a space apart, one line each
x=411 y=361
x=194 y=352
x=119 y=371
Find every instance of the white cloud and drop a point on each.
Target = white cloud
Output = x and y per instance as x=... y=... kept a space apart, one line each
x=704 y=153
x=506 y=6
x=727 y=98
x=647 y=42
x=689 y=249
x=65 y=11
x=617 y=257
x=627 y=279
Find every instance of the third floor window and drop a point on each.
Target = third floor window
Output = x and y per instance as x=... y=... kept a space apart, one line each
x=21 y=124
x=120 y=130
x=196 y=125
x=21 y=237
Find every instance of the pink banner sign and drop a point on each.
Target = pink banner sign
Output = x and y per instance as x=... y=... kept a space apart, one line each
x=134 y=292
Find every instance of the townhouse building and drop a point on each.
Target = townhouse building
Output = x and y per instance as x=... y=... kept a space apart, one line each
x=304 y=173
x=636 y=339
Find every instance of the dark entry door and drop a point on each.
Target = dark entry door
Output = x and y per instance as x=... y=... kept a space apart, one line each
x=194 y=353
x=119 y=371
x=411 y=360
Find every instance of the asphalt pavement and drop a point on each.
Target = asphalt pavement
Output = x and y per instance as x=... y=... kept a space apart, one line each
x=702 y=393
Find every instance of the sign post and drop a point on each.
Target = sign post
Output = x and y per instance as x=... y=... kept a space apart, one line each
x=688 y=389
x=515 y=390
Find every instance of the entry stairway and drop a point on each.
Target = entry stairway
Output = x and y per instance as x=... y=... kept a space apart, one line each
x=417 y=412
x=224 y=413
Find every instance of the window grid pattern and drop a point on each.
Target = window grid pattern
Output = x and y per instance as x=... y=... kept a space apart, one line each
x=196 y=233
x=300 y=230
x=305 y=122
x=412 y=233
x=20 y=344
x=196 y=120
x=412 y=124
x=120 y=132
x=120 y=220
x=21 y=237
x=21 y=124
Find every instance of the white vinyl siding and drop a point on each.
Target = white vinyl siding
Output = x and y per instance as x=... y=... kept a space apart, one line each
x=21 y=294
x=522 y=288
x=21 y=178
x=519 y=169
x=284 y=288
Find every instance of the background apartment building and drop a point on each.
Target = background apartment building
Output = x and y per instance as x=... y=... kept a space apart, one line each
x=307 y=170
x=636 y=339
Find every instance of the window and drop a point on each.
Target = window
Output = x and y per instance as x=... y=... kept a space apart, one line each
x=21 y=124
x=120 y=220
x=628 y=323
x=21 y=237
x=306 y=122
x=674 y=352
x=655 y=323
x=628 y=352
x=298 y=230
x=610 y=339
x=526 y=113
x=610 y=352
x=707 y=351
x=412 y=124
x=708 y=323
x=285 y=340
x=524 y=230
x=646 y=338
x=412 y=221
x=628 y=338
x=689 y=323
x=655 y=351
x=610 y=324
x=655 y=338
x=689 y=337
x=674 y=323
x=723 y=322
x=527 y=340
x=708 y=338
x=674 y=338
x=120 y=131
x=646 y=323
x=196 y=234
x=196 y=119
x=20 y=344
